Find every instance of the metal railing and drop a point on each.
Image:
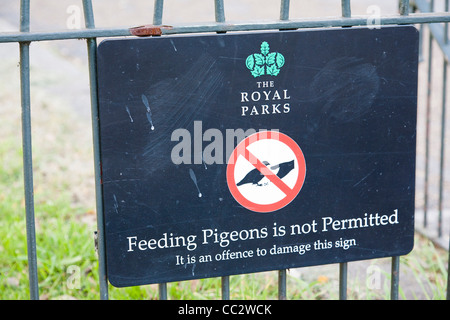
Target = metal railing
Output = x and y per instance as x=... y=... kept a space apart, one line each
x=438 y=34
x=436 y=22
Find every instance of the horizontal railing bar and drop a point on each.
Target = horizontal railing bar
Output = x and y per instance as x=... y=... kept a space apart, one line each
x=62 y=35
x=416 y=18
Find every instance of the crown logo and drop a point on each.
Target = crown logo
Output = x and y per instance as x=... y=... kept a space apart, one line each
x=265 y=62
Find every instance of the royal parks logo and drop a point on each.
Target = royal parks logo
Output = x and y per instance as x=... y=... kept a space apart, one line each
x=265 y=63
x=264 y=97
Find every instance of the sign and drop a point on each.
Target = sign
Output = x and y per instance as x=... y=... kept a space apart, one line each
x=261 y=185
x=237 y=153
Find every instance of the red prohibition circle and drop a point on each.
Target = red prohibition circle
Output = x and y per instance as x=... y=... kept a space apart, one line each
x=242 y=150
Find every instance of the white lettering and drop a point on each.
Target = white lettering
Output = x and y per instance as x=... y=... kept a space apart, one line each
x=368 y=220
x=166 y=241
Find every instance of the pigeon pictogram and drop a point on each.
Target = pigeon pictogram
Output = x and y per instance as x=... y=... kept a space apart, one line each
x=255 y=177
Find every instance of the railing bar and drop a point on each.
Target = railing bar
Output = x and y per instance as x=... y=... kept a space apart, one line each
x=343 y=280
x=448 y=271
x=443 y=122
x=284 y=9
x=25 y=15
x=448 y=277
x=158 y=12
x=404 y=7
x=157 y=20
x=282 y=277
x=395 y=277
x=219 y=13
x=346 y=8
x=442 y=155
x=417 y=18
x=427 y=129
x=447 y=9
x=225 y=287
x=27 y=152
x=92 y=60
x=219 y=10
x=88 y=14
x=28 y=168
x=162 y=289
x=158 y=6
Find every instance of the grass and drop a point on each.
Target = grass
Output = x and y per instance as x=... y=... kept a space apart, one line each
x=61 y=236
x=65 y=222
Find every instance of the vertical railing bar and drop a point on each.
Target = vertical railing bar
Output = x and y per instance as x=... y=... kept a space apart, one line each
x=446 y=40
x=92 y=60
x=284 y=15
x=284 y=9
x=27 y=151
x=427 y=128
x=282 y=281
x=225 y=287
x=343 y=281
x=28 y=167
x=219 y=10
x=404 y=7
x=27 y=155
x=282 y=289
x=157 y=20
x=158 y=12
x=442 y=155
x=447 y=9
x=162 y=290
x=219 y=14
x=395 y=277
x=346 y=8
x=346 y=13
x=25 y=16
x=448 y=271
x=443 y=121
x=88 y=14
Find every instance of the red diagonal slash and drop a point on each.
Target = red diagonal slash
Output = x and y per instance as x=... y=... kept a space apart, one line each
x=267 y=172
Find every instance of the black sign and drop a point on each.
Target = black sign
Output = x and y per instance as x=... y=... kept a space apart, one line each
x=237 y=153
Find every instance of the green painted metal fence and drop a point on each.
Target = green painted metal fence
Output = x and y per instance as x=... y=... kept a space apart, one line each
x=433 y=23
